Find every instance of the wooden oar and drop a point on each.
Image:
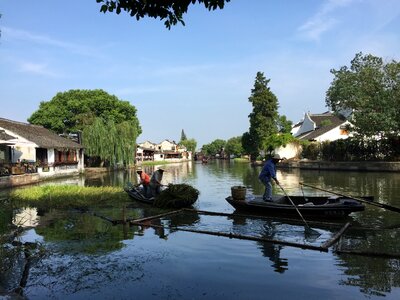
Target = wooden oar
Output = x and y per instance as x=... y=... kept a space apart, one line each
x=308 y=228
x=381 y=205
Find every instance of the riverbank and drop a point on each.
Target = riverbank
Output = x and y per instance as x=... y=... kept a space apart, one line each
x=360 y=166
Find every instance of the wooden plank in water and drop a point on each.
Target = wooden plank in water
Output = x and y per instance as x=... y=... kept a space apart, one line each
x=241 y=237
x=292 y=220
x=134 y=222
x=369 y=253
x=334 y=239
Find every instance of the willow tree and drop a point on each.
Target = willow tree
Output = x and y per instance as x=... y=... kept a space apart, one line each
x=115 y=143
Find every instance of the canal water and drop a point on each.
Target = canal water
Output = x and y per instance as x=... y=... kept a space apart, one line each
x=83 y=256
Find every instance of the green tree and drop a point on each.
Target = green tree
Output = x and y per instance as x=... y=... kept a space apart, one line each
x=234 y=146
x=284 y=125
x=190 y=144
x=215 y=147
x=263 y=118
x=250 y=146
x=115 y=143
x=171 y=10
x=73 y=110
x=369 y=88
x=183 y=136
x=109 y=125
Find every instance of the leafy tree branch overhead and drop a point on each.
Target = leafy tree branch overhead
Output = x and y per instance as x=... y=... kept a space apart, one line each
x=171 y=10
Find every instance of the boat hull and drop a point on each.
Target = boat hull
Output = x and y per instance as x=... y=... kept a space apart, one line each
x=136 y=194
x=314 y=207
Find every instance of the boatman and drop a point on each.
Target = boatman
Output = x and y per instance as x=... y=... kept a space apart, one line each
x=267 y=173
x=144 y=181
x=155 y=182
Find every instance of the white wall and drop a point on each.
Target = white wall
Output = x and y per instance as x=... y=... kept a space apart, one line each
x=333 y=135
x=307 y=125
x=50 y=156
x=291 y=150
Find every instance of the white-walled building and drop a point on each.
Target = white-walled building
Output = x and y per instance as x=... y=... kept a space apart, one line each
x=316 y=127
x=165 y=150
x=321 y=127
x=28 y=148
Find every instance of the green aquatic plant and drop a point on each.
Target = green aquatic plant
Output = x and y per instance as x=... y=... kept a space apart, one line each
x=177 y=196
x=67 y=196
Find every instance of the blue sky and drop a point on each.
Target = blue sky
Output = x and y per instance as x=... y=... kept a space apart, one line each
x=196 y=77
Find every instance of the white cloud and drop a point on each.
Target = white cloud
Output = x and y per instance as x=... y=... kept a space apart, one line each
x=35 y=68
x=12 y=33
x=323 y=20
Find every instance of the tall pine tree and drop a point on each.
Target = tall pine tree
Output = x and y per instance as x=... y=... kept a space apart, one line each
x=183 y=136
x=263 y=118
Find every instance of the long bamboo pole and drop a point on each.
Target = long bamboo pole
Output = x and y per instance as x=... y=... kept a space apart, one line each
x=381 y=205
x=155 y=217
x=369 y=253
x=239 y=236
x=294 y=205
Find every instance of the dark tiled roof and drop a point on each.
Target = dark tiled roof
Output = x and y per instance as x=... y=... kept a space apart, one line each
x=148 y=149
x=5 y=137
x=39 y=135
x=319 y=119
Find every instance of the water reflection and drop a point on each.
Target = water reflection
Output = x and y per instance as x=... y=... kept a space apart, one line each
x=377 y=276
x=108 y=251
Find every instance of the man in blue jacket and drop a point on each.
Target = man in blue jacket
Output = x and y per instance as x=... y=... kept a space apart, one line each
x=267 y=173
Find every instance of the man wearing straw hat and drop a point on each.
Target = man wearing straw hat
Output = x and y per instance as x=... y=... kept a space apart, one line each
x=267 y=173
x=155 y=182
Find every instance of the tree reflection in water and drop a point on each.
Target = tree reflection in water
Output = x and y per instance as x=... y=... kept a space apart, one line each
x=89 y=255
x=373 y=275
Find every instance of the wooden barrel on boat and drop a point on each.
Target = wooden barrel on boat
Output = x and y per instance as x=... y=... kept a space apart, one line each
x=238 y=192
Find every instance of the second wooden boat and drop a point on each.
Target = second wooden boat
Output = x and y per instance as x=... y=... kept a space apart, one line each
x=311 y=206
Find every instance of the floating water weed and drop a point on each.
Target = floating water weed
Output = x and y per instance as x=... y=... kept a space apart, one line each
x=60 y=196
x=177 y=196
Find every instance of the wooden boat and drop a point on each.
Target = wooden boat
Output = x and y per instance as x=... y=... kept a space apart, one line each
x=137 y=194
x=168 y=198
x=310 y=206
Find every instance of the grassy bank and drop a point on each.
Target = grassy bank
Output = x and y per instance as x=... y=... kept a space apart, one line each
x=67 y=196
x=238 y=159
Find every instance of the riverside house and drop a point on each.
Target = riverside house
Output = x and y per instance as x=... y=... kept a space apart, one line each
x=33 y=150
x=321 y=127
x=164 y=151
x=316 y=128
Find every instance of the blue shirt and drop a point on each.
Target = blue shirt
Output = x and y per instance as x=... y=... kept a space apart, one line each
x=268 y=171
